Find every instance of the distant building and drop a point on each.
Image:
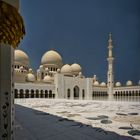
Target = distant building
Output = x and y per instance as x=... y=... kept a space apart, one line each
x=53 y=79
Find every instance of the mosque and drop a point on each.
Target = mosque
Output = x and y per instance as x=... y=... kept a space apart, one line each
x=53 y=79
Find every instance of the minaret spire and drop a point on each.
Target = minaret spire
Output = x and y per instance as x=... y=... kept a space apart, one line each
x=110 y=74
x=110 y=45
x=110 y=39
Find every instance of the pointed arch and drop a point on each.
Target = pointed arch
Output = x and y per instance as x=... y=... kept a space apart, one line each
x=76 y=92
x=26 y=93
x=21 y=93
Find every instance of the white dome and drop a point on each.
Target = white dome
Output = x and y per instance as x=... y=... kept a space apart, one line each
x=66 y=70
x=80 y=73
x=96 y=83
x=30 y=70
x=46 y=69
x=21 y=68
x=47 y=79
x=21 y=57
x=76 y=68
x=58 y=70
x=118 y=84
x=30 y=77
x=129 y=83
x=41 y=67
x=38 y=70
x=52 y=58
x=103 y=84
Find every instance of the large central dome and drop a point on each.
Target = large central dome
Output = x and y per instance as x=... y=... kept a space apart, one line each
x=51 y=58
x=21 y=57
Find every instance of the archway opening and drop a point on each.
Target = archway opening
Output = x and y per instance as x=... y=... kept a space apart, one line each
x=41 y=93
x=21 y=93
x=76 y=92
x=46 y=93
x=50 y=93
x=37 y=93
x=83 y=93
x=32 y=93
x=68 y=93
x=26 y=93
x=53 y=95
x=16 y=93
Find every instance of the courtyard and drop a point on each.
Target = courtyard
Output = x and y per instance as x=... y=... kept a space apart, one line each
x=51 y=119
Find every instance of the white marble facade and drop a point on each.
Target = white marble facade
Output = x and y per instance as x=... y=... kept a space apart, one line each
x=53 y=79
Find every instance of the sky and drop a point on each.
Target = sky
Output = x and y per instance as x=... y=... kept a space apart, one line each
x=78 y=30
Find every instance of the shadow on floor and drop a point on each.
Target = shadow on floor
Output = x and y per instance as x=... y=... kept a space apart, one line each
x=32 y=124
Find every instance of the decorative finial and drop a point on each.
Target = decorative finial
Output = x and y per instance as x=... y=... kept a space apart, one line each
x=110 y=39
x=110 y=35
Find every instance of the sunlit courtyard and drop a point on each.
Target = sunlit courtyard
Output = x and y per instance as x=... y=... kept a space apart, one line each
x=53 y=119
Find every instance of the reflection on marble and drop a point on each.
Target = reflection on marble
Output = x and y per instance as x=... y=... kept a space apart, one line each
x=118 y=116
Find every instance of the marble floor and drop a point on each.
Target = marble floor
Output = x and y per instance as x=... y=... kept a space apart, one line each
x=49 y=119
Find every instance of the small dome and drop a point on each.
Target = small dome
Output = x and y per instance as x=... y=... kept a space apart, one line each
x=21 y=57
x=103 y=84
x=96 y=83
x=139 y=82
x=38 y=71
x=76 y=68
x=94 y=78
x=129 y=83
x=47 y=79
x=52 y=58
x=66 y=70
x=80 y=73
x=21 y=68
x=30 y=77
x=41 y=67
x=118 y=84
x=58 y=70
x=30 y=70
x=46 y=69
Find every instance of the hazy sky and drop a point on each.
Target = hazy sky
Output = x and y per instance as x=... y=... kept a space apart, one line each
x=78 y=30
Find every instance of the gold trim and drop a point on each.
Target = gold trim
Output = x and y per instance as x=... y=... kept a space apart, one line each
x=11 y=25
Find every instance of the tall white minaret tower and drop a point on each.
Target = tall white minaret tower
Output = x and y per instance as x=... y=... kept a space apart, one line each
x=110 y=74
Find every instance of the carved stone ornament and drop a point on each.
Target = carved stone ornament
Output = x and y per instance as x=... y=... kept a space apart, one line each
x=11 y=25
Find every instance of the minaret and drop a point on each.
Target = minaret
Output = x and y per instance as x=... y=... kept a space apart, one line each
x=110 y=74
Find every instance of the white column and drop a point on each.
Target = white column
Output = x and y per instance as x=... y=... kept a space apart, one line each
x=43 y=94
x=39 y=96
x=71 y=94
x=89 y=89
x=29 y=93
x=80 y=94
x=6 y=92
x=18 y=94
